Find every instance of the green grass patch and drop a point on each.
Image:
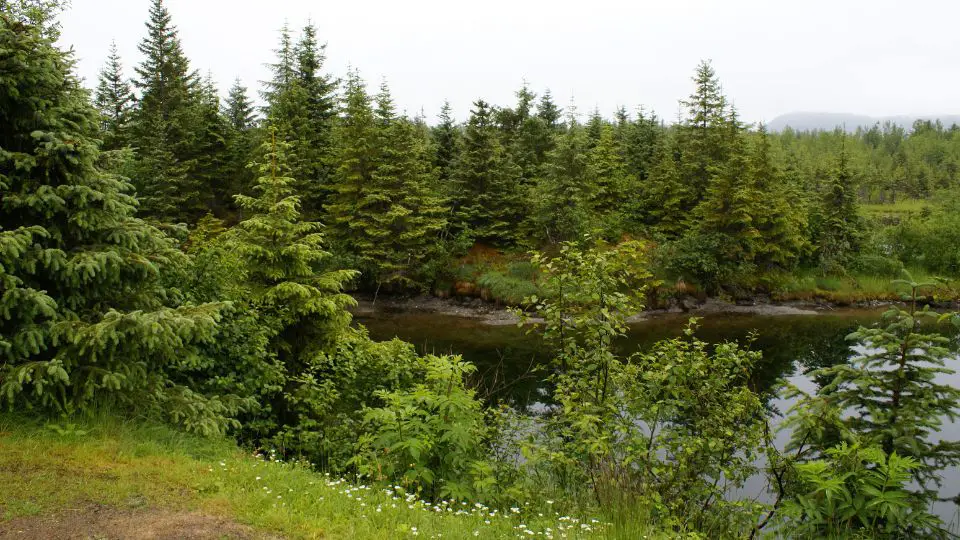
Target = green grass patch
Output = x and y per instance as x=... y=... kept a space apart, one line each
x=129 y=465
x=899 y=208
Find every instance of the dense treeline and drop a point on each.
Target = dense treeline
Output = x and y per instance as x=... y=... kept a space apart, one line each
x=726 y=204
x=163 y=253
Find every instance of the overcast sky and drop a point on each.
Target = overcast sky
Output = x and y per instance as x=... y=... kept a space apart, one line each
x=875 y=57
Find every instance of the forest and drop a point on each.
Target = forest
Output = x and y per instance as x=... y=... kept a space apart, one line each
x=171 y=256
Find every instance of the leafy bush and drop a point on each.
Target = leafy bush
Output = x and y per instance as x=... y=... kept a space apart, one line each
x=430 y=437
x=855 y=491
x=876 y=265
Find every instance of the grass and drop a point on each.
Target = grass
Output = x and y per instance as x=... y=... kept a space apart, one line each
x=129 y=465
x=847 y=290
x=899 y=208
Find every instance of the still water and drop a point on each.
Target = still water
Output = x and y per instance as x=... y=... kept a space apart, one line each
x=510 y=360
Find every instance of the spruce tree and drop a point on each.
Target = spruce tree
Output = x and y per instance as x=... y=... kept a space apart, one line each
x=208 y=149
x=780 y=216
x=838 y=222
x=486 y=198
x=114 y=100
x=446 y=137
x=893 y=394
x=352 y=207
x=548 y=111
x=85 y=315
x=609 y=183
x=703 y=135
x=562 y=195
x=413 y=217
x=663 y=196
x=730 y=204
x=298 y=297
x=240 y=135
x=301 y=105
x=166 y=124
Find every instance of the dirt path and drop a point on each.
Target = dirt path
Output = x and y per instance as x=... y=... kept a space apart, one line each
x=104 y=523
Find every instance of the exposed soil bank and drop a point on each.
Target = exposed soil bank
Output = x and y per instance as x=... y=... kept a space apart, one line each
x=494 y=314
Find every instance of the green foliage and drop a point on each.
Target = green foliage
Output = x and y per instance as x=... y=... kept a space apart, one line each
x=301 y=106
x=430 y=437
x=385 y=211
x=176 y=127
x=888 y=400
x=854 y=492
x=668 y=431
x=114 y=100
x=85 y=312
x=485 y=192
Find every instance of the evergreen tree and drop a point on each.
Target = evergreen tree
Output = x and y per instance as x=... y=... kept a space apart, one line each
x=314 y=145
x=664 y=194
x=703 y=135
x=486 y=199
x=638 y=141
x=446 y=137
x=730 y=204
x=838 y=222
x=240 y=137
x=780 y=216
x=298 y=298
x=412 y=218
x=86 y=317
x=352 y=208
x=166 y=123
x=562 y=195
x=301 y=105
x=893 y=395
x=114 y=100
x=608 y=183
x=548 y=111
x=208 y=149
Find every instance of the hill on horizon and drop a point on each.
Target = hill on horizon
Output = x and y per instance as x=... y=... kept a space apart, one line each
x=808 y=121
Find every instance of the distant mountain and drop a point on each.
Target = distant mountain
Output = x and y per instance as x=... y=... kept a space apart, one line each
x=805 y=121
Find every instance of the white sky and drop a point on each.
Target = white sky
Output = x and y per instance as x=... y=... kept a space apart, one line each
x=875 y=57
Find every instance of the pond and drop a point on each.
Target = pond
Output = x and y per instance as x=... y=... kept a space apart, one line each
x=510 y=360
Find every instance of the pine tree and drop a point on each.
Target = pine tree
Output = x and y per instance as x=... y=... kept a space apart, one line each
x=166 y=123
x=114 y=100
x=562 y=195
x=486 y=195
x=780 y=216
x=301 y=105
x=838 y=223
x=446 y=137
x=240 y=136
x=86 y=316
x=297 y=297
x=730 y=204
x=352 y=207
x=703 y=135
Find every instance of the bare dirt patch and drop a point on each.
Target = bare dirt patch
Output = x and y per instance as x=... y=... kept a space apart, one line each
x=104 y=523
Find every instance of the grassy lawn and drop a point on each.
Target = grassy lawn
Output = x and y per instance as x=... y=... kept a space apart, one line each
x=133 y=467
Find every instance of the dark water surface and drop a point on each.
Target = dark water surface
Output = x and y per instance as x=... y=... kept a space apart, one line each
x=510 y=360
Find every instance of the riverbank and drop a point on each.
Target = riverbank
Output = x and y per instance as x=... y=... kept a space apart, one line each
x=495 y=314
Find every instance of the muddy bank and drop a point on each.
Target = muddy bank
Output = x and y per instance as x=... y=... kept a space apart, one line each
x=494 y=314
